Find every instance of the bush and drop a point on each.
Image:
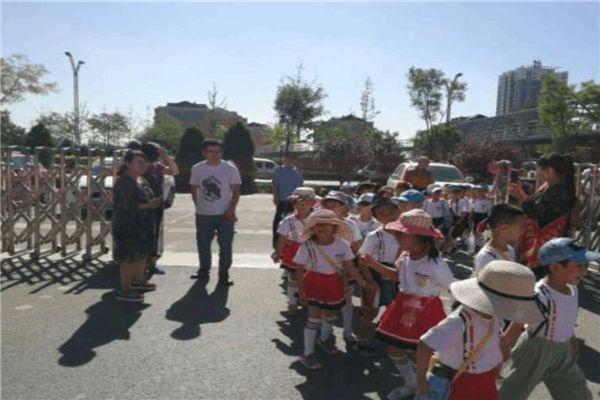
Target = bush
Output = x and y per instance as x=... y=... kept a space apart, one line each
x=239 y=148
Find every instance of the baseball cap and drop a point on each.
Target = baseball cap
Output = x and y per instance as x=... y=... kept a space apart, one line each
x=366 y=198
x=347 y=186
x=337 y=196
x=411 y=196
x=481 y=186
x=565 y=249
x=433 y=188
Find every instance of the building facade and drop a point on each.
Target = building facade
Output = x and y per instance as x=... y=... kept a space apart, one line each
x=198 y=115
x=519 y=89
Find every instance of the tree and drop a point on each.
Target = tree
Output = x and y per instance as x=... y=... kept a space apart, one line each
x=439 y=142
x=109 y=128
x=367 y=102
x=557 y=109
x=37 y=136
x=214 y=104
x=326 y=132
x=385 y=153
x=298 y=103
x=342 y=157
x=62 y=126
x=239 y=148
x=190 y=148
x=588 y=103
x=455 y=91
x=474 y=159
x=425 y=91
x=165 y=131
x=19 y=77
x=12 y=134
x=275 y=135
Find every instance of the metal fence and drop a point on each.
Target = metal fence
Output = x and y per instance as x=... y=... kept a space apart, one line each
x=587 y=183
x=64 y=208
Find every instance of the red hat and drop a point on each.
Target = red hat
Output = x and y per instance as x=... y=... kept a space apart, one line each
x=415 y=222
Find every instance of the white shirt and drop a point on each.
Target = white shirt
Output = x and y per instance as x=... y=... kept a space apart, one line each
x=436 y=209
x=381 y=245
x=356 y=237
x=563 y=312
x=424 y=277
x=310 y=257
x=487 y=254
x=448 y=338
x=365 y=227
x=292 y=228
x=214 y=186
x=482 y=206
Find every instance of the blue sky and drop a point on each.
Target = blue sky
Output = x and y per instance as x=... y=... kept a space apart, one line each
x=147 y=54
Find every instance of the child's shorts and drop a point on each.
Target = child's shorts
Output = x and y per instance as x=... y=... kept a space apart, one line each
x=323 y=290
x=287 y=257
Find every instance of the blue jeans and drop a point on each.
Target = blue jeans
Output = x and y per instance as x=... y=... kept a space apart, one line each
x=206 y=227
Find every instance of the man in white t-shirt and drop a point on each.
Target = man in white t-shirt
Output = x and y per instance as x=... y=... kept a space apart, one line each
x=215 y=187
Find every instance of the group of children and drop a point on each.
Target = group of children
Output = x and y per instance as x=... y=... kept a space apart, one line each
x=387 y=251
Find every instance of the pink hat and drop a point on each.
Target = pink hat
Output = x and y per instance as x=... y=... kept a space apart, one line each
x=415 y=222
x=327 y=217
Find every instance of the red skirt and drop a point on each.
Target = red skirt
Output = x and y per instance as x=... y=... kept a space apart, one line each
x=475 y=386
x=287 y=255
x=324 y=291
x=408 y=318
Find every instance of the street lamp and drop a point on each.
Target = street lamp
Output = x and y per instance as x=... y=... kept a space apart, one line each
x=75 y=67
x=449 y=95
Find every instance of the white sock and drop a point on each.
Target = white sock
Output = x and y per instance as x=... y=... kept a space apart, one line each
x=310 y=334
x=292 y=292
x=405 y=366
x=348 y=313
x=326 y=328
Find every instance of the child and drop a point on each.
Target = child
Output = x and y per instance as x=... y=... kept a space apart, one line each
x=364 y=219
x=410 y=200
x=468 y=341
x=548 y=352
x=386 y=191
x=290 y=238
x=422 y=276
x=348 y=189
x=480 y=210
x=324 y=259
x=437 y=208
x=506 y=223
x=460 y=211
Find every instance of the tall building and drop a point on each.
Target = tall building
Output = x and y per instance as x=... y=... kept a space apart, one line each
x=197 y=115
x=519 y=89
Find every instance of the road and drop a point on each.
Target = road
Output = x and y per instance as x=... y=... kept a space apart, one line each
x=65 y=337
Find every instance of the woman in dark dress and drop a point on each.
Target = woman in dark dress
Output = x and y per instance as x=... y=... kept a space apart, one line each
x=133 y=226
x=550 y=209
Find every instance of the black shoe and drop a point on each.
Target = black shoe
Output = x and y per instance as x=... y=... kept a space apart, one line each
x=201 y=275
x=225 y=281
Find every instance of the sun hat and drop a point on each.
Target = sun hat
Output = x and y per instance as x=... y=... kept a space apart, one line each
x=411 y=196
x=302 y=192
x=415 y=222
x=434 y=187
x=504 y=289
x=337 y=196
x=326 y=217
x=565 y=249
x=366 y=199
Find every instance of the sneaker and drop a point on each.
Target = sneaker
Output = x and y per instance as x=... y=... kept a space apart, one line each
x=201 y=274
x=225 y=281
x=400 y=393
x=349 y=338
x=311 y=362
x=364 y=349
x=144 y=286
x=329 y=345
x=131 y=297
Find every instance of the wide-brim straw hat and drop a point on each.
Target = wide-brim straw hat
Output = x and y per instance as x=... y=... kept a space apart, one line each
x=504 y=289
x=302 y=192
x=327 y=217
x=415 y=222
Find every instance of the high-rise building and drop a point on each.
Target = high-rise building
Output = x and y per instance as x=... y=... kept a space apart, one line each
x=519 y=89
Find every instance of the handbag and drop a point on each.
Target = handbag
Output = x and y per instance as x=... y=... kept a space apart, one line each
x=440 y=377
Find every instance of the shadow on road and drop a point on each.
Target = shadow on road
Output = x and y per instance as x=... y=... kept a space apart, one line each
x=589 y=292
x=197 y=307
x=45 y=272
x=108 y=320
x=589 y=359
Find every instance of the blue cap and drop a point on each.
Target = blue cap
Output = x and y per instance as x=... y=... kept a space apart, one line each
x=411 y=196
x=565 y=249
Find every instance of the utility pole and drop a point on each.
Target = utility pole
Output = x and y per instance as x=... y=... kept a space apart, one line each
x=75 y=67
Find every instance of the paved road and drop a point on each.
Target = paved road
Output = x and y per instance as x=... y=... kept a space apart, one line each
x=64 y=336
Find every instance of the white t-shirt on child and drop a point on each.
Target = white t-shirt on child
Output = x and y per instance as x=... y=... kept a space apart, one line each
x=292 y=228
x=381 y=245
x=356 y=237
x=311 y=258
x=436 y=209
x=482 y=206
x=365 y=227
x=487 y=254
x=563 y=313
x=424 y=277
x=448 y=339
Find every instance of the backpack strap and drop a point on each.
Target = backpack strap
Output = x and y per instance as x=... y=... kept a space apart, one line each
x=546 y=310
x=381 y=246
x=312 y=255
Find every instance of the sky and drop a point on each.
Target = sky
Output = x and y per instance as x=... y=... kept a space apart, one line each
x=142 y=55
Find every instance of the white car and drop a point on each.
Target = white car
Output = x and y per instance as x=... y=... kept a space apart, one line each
x=264 y=168
x=444 y=174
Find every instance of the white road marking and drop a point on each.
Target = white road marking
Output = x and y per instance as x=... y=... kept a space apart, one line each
x=24 y=307
x=240 y=260
x=46 y=296
x=63 y=288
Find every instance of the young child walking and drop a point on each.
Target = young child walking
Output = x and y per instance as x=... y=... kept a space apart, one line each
x=325 y=260
x=547 y=352
x=422 y=276
x=505 y=222
x=290 y=233
x=481 y=206
x=364 y=219
x=468 y=341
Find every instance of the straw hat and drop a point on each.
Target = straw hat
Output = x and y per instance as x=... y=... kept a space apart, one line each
x=326 y=217
x=302 y=192
x=504 y=289
x=415 y=222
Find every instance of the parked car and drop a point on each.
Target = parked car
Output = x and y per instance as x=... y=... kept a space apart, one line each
x=370 y=175
x=444 y=174
x=264 y=168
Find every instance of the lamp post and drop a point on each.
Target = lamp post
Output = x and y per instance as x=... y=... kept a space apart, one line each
x=449 y=95
x=75 y=67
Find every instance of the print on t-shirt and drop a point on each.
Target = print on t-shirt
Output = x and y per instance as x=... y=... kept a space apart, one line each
x=211 y=188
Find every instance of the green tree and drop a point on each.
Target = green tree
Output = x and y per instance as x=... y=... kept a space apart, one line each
x=298 y=104
x=239 y=148
x=12 y=134
x=342 y=157
x=190 y=148
x=165 y=131
x=19 y=77
x=37 y=136
x=62 y=126
x=385 y=153
x=425 y=91
x=588 y=102
x=109 y=128
x=439 y=142
x=455 y=91
x=367 y=102
x=326 y=132
x=275 y=135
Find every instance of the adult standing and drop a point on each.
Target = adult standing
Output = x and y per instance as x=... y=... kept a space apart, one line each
x=132 y=226
x=419 y=177
x=159 y=165
x=215 y=186
x=286 y=178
